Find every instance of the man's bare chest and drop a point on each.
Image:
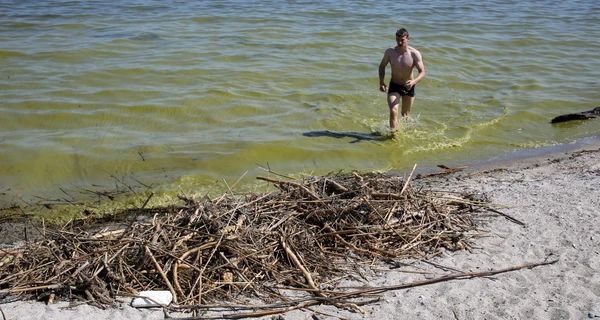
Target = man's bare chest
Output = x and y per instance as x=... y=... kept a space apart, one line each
x=402 y=60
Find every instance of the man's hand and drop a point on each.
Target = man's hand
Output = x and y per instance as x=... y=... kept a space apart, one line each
x=409 y=84
x=383 y=88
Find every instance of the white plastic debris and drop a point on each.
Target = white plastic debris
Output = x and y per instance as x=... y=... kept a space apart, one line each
x=149 y=299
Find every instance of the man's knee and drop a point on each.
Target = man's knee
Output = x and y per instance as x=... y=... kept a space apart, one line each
x=406 y=105
x=393 y=99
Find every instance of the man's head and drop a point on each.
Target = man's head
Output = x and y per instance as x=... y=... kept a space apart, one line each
x=402 y=37
x=402 y=33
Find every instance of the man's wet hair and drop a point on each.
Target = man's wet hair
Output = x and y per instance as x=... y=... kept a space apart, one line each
x=402 y=32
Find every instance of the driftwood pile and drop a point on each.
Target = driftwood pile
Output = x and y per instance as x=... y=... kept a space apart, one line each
x=306 y=236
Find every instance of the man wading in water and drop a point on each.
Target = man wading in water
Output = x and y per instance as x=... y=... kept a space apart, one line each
x=403 y=60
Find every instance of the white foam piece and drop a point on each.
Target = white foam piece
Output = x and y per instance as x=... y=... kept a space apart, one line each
x=148 y=299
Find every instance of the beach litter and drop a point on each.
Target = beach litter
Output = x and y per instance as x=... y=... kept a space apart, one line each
x=269 y=252
x=150 y=299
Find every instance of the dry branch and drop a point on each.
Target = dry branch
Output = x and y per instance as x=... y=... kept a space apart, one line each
x=342 y=299
x=446 y=170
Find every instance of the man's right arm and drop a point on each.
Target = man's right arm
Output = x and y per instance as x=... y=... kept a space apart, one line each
x=384 y=62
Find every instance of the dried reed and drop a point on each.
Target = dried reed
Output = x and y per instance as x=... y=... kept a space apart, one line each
x=305 y=236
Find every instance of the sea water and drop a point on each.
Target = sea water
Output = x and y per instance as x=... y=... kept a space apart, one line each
x=179 y=95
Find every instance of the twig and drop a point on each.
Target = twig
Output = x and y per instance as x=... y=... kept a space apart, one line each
x=408 y=180
x=162 y=273
x=336 y=185
x=276 y=173
x=299 y=265
x=182 y=260
x=507 y=217
x=51 y=286
x=147 y=200
x=446 y=170
x=468 y=275
x=256 y=314
x=229 y=188
x=314 y=196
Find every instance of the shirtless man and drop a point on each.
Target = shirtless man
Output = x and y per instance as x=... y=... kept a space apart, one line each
x=403 y=60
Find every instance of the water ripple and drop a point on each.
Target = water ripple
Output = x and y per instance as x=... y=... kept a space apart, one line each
x=204 y=92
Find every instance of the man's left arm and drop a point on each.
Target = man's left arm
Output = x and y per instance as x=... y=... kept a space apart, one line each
x=420 y=68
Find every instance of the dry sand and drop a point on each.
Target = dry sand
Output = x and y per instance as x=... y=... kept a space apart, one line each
x=556 y=195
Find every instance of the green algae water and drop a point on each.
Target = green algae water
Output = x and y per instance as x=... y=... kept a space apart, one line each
x=175 y=95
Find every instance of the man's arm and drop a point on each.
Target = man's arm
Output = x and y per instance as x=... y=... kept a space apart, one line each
x=384 y=62
x=420 y=68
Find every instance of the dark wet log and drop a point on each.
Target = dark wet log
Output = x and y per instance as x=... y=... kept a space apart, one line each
x=595 y=113
x=446 y=170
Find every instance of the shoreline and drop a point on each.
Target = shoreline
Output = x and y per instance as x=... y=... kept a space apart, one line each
x=523 y=157
x=532 y=155
x=554 y=193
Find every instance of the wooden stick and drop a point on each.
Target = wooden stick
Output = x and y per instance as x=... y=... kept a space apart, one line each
x=336 y=185
x=229 y=188
x=3 y=315
x=314 y=196
x=147 y=200
x=408 y=179
x=182 y=260
x=446 y=170
x=507 y=216
x=468 y=275
x=386 y=195
x=298 y=264
x=256 y=314
x=46 y=287
x=162 y=273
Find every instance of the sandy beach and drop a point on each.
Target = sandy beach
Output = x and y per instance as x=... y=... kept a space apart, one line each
x=554 y=194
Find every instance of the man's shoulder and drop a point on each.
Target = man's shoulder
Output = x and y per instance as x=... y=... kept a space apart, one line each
x=414 y=51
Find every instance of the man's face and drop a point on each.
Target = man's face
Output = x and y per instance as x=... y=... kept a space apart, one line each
x=402 y=40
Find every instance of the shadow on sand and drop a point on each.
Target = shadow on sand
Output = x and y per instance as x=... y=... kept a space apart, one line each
x=358 y=136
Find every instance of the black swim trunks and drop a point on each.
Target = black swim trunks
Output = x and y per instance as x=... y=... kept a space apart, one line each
x=401 y=89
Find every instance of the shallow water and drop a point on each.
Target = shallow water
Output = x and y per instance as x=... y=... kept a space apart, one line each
x=177 y=95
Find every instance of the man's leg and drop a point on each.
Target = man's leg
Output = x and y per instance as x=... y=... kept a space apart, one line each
x=407 y=102
x=393 y=102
